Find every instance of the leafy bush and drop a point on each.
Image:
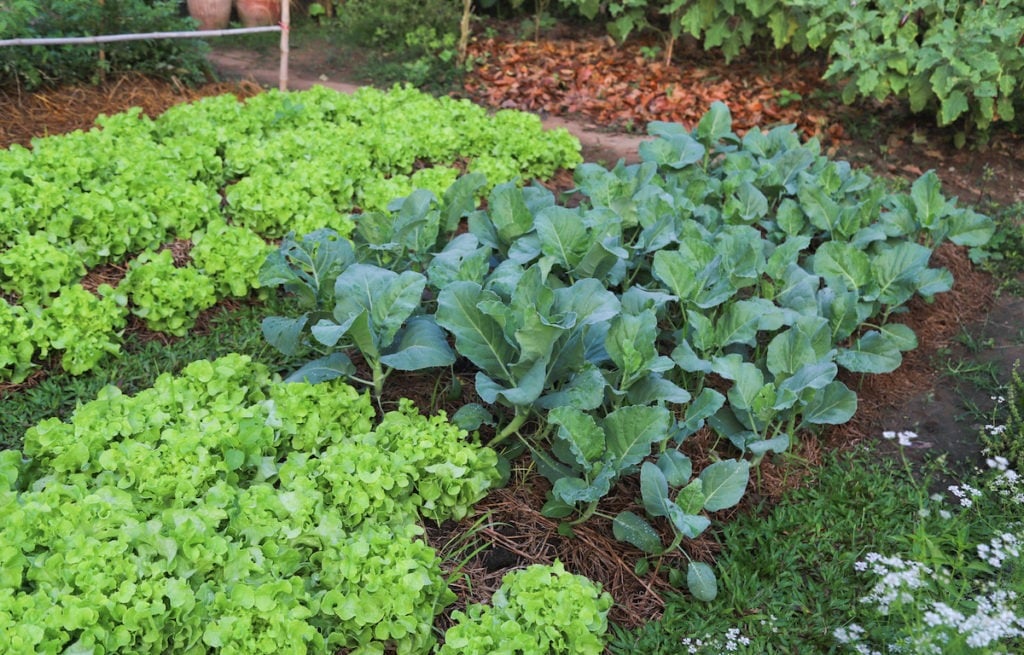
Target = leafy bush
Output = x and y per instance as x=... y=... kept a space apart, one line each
x=49 y=65
x=167 y=297
x=541 y=610
x=385 y=23
x=230 y=256
x=85 y=327
x=224 y=511
x=416 y=41
x=17 y=343
x=960 y=60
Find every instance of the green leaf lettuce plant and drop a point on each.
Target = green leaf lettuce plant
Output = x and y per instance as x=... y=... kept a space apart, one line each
x=223 y=510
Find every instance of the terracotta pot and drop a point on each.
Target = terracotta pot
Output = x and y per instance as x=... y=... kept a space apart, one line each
x=256 y=13
x=211 y=14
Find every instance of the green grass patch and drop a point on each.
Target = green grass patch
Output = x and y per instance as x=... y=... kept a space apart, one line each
x=788 y=575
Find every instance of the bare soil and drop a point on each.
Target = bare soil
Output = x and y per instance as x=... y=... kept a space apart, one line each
x=919 y=396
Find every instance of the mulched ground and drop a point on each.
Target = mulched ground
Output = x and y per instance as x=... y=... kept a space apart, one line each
x=25 y=115
x=612 y=86
x=617 y=85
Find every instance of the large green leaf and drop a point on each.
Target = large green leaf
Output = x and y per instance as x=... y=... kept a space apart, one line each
x=631 y=345
x=833 y=404
x=873 y=352
x=740 y=322
x=362 y=335
x=843 y=310
x=813 y=375
x=509 y=215
x=653 y=388
x=929 y=203
x=715 y=125
x=463 y=258
x=707 y=402
x=675 y=151
x=478 y=337
x=969 y=228
x=563 y=235
x=522 y=391
x=701 y=581
x=713 y=285
x=900 y=336
x=284 y=333
x=631 y=431
x=572 y=490
x=308 y=265
x=821 y=210
x=584 y=390
x=896 y=270
x=332 y=366
x=748 y=204
x=678 y=272
x=395 y=304
x=420 y=344
x=389 y=298
x=417 y=222
x=807 y=341
x=589 y=300
x=581 y=433
x=676 y=467
x=688 y=360
x=460 y=199
x=952 y=106
x=632 y=529
x=934 y=280
x=841 y=262
x=329 y=333
x=654 y=490
x=786 y=254
x=723 y=483
x=726 y=423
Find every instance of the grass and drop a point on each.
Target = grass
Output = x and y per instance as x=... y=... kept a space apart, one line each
x=787 y=577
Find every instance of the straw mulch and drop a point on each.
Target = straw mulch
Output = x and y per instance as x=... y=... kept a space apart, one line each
x=935 y=323
x=25 y=115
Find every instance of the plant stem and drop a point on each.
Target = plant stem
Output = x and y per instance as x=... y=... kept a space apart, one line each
x=510 y=429
x=587 y=513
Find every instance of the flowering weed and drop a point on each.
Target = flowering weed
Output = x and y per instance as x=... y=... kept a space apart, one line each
x=955 y=585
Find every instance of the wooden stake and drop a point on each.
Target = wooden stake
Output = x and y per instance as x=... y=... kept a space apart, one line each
x=285 y=26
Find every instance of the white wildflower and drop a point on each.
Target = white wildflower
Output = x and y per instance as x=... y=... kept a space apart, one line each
x=905 y=438
x=966 y=493
x=998 y=463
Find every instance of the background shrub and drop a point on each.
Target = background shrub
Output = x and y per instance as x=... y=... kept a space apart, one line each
x=35 y=66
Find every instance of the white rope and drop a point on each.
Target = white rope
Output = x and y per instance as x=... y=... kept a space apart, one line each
x=110 y=38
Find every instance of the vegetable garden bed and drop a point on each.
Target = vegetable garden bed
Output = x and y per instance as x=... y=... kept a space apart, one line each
x=629 y=385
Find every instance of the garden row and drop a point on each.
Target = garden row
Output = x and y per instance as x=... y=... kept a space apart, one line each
x=721 y=282
x=227 y=176
x=225 y=511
